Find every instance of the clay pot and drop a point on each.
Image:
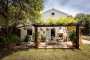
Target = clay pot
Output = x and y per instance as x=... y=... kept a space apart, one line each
x=38 y=44
x=74 y=44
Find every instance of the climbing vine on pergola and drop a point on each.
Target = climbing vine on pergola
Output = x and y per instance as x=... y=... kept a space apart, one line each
x=52 y=22
x=58 y=25
x=64 y=20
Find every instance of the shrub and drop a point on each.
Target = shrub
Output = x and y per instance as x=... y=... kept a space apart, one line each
x=6 y=40
x=72 y=35
x=43 y=38
x=19 y=42
x=27 y=38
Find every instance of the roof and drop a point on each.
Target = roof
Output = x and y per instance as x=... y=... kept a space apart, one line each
x=54 y=9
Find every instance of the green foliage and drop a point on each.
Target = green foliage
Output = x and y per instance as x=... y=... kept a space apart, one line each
x=6 y=40
x=63 y=20
x=43 y=38
x=27 y=38
x=41 y=29
x=72 y=35
x=19 y=42
x=10 y=39
x=79 y=16
x=33 y=36
x=38 y=33
x=85 y=21
x=39 y=39
x=15 y=12
x=47 y=28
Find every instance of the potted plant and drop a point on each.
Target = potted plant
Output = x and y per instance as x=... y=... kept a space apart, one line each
x=43 y=38
x=47 y=28
x=72 y=36
x=38 y=42
x=33 y=36
x=64 y=40
x=38 y=33
x=18 y=43
x=25 y=28
x=41 y=29
x=27 y=38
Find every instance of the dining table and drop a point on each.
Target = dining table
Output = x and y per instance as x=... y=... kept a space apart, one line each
x=55 y=40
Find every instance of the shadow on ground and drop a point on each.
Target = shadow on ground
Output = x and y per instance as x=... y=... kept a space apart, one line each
x=26 y=46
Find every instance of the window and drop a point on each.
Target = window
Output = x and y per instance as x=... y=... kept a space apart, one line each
x=53 y=13
x=29 y=31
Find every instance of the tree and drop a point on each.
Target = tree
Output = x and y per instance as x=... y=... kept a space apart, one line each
x=15 y=12
x=80 y=15
x=86 y=24
x=85 y=21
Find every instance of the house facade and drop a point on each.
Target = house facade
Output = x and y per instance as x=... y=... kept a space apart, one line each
x=47 y=31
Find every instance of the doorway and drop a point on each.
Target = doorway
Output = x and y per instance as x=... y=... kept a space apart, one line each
x=53 y=32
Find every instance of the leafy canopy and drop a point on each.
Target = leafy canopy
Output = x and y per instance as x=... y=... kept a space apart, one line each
x=20 y=11
x=63 y=20
x=85 y=21
x=15 y=12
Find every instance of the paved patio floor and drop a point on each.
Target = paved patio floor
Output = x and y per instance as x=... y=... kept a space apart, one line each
x=46 y=45
x=56 y=45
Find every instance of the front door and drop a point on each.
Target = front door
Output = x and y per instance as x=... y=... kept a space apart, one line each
x=53 y=32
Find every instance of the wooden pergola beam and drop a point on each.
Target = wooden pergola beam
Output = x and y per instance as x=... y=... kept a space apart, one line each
x=36 y=37
x=52 y=25
x=77 y=34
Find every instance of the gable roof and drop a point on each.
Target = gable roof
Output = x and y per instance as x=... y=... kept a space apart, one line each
x=55 y=10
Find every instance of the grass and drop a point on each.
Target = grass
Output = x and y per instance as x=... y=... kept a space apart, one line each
x=49 y=54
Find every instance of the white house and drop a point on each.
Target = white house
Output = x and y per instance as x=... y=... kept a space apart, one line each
x=53 y=31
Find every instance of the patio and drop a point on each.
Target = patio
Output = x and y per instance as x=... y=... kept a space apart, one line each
x=58 y=25
x=56 y=45
x=45 y=45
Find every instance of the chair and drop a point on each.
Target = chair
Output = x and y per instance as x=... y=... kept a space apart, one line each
x=61 y=41
x=54 y=41
x=48 y=41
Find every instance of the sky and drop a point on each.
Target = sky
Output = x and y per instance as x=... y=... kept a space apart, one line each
x=71 y=7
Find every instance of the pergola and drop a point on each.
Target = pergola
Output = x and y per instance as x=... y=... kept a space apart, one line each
x=59 y=25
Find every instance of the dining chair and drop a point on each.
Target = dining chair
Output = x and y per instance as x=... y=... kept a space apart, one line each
x=61 y=41
x=54 y=41
x=48 y=41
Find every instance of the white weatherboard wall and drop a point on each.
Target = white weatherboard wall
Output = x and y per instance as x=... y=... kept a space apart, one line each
x=56 y=31
x=57 y=14
x=46 y=16
x=24 y=32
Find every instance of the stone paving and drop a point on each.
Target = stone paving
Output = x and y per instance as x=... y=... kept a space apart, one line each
x=44 y=45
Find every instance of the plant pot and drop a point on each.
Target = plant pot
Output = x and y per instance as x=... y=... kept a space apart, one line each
x=25 y=28
x=38 y=44
x=57 y=40
x=28 y=40
x=74 y=44
x=18 y=44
